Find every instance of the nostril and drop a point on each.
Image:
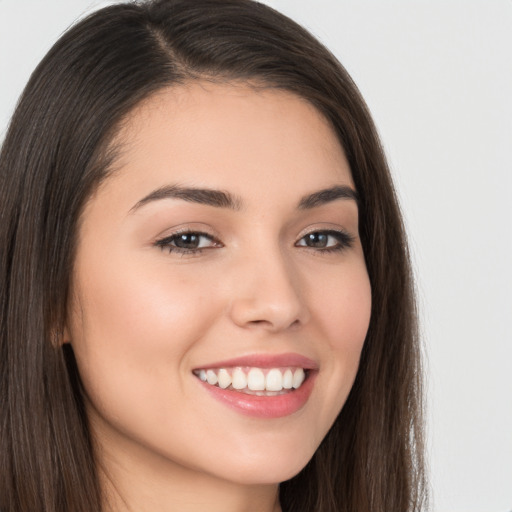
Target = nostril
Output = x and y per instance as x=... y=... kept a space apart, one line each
x=274 y=325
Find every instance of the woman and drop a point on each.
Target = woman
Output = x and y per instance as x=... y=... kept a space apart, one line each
x=206 y=294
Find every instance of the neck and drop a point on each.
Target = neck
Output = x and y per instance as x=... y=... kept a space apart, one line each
x=163 y=486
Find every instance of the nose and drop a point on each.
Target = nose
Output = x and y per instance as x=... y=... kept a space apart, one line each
x=268 y=294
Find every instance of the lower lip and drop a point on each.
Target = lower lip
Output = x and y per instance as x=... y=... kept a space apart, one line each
x=265 y=406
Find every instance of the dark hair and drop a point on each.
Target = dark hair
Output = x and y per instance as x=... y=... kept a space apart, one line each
x=58 y=149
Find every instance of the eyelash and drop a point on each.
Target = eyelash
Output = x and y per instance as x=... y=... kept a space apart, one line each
x=344 y=241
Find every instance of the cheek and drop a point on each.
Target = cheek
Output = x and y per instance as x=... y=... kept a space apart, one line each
x=133 y=326
x=343 y=308
x=132 y=304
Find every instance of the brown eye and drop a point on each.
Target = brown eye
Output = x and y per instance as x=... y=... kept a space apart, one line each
x=326 y=241
x=189 y=242
x=316 y=240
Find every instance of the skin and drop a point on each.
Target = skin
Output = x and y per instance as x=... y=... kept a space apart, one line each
x=142 y=317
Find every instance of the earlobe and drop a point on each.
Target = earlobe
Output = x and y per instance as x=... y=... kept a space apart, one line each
x=60 y=337
x=65 y=335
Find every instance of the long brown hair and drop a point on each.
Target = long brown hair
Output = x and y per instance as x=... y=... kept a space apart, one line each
x=56 y=151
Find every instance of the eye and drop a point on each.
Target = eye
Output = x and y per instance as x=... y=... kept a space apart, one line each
x=326 y=241
x=188 y=242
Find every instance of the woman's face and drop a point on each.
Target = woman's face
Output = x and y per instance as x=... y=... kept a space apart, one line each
x=223 y=247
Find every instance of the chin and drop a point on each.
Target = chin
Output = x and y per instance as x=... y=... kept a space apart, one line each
x=271 y=469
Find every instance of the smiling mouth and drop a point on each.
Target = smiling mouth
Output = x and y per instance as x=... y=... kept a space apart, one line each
x=253 y=380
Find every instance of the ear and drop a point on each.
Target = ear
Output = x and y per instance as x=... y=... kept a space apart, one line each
x=60 y=336
x=65 y=335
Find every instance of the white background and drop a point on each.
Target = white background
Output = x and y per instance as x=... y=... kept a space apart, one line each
x=437 y=76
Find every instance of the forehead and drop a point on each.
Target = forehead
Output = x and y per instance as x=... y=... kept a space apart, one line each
x=231 y=136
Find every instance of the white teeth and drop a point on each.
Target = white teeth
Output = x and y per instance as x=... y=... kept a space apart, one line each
x=256 y=380
x=288 y=379
x=224 y=378
x=274 y=380
x=211 y=377
x=239 y=379
x=298 y=377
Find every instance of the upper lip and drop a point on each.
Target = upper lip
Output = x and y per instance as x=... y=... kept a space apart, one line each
x=265 y=361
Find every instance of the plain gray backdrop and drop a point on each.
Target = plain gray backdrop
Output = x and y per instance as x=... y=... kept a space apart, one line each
x=437 y=77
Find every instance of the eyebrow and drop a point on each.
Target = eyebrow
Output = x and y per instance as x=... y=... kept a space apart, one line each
x=222 y=199
x=210 y=197
x=327 y=195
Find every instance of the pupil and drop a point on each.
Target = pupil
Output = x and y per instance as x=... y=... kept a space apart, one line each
x=316 y=240
x=187 y=241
